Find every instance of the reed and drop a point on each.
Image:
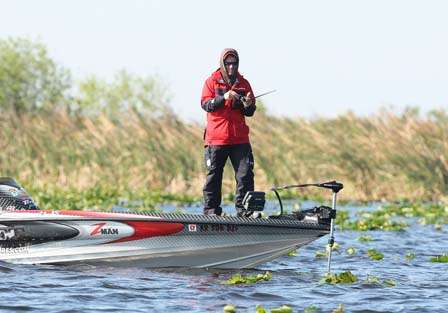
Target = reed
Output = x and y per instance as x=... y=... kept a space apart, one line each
x=383 y=156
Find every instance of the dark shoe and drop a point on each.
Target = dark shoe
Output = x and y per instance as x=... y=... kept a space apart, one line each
x=251 y=214
x=243 y=212
x=217 y=211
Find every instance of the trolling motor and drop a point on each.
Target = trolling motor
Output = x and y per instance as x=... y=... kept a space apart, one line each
x=323 y=212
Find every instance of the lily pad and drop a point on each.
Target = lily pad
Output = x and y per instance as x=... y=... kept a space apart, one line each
x=389 y=282
x=229 y=308
x=440 y=258
x=260 y=309
x=292 y=253
x=350 y=251
x=320 y=254
x=341 y=278
x=248 y=279
x=375 y=255
x=282 y=309
x=365 y=238
x=410 y=256
x=311 y=309
x=372 y=280
x=339 y=309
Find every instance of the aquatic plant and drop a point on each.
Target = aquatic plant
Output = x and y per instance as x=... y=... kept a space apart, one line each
x=375 y=255
x=350 y=251
x=339 y=309
x=282 y=309
x=335 y=247
x=389 y=282
x=320 y=254
x=292 y=253
x=101 y=198
x=439 y=258
x=373 y=280
x=248 y=279
x=229 y=308
x=311 y=309
x=260 y=309
x=427 y=213
x=375 y=220
x=410 y=256
x=366 y=238
x=341 y=278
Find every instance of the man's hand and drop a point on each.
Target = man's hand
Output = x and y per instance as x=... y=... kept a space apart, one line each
x=231 y=95
x=248 y=100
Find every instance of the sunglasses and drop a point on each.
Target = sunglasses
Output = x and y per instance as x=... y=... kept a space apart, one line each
x=230 y=63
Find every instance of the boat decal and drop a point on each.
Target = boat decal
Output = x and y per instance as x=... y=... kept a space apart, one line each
x=14 y=250
x=97 y=229
x=192 y=227
x=7 y=234
x=144 y=229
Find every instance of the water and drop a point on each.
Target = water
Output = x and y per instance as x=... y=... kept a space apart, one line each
x=421 y=286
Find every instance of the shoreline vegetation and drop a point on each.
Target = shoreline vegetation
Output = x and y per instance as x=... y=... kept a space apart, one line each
x=95 y=143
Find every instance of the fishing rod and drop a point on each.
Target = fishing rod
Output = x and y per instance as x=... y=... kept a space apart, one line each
x=244 y=99
x=266 y=93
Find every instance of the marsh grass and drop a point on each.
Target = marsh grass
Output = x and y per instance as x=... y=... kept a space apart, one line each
x=383 y=156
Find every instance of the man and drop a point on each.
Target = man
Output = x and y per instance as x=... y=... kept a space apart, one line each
x=227 y=97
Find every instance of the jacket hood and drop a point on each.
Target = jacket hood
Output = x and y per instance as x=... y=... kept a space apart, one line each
x=225 y=53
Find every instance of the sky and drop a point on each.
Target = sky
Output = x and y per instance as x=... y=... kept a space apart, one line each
x=324 y=58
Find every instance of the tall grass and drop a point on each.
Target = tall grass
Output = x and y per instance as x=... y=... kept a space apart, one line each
x=383 y=156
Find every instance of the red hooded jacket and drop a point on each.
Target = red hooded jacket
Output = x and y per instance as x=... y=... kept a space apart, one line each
x=226 y=123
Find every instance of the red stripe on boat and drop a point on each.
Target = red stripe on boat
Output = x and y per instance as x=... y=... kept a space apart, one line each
x=144 y=230
x=79 y=213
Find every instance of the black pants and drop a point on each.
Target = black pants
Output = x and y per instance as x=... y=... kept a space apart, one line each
x=243 y=164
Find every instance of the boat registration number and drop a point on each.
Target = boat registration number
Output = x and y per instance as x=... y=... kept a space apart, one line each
x=219 y=228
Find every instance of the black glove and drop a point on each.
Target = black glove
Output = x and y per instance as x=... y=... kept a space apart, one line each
x=237 y=104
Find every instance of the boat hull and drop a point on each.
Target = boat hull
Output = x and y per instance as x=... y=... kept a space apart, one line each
x=151 y=241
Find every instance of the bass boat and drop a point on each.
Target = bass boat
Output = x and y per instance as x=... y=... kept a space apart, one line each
x=29 y=235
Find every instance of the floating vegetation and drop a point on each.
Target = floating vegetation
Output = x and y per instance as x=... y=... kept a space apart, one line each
x=339 y=309
x=292 y=252
x=350 y=251
x=373 y=280
x=375 y=220
x=341 y=278
x=366 y=238
x=440 y=258
x=260 y=309
x=103 y=198
x=375 y=255
x=311 y=309
x=248 y=279
x=389 y=282
x=320 y=254
x=335 y=247
x=324 y=254
x=342 y=217
x=427 y=214
x=410 y=256
x=229 y=308
x=282 y=309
